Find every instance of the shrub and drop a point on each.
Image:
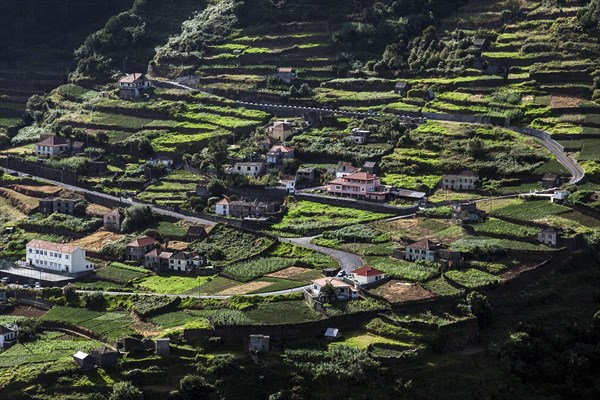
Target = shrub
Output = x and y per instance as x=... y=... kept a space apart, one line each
x=125 y=391
x=29 y=134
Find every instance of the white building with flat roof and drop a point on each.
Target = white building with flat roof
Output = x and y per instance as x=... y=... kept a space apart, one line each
x=58 y=257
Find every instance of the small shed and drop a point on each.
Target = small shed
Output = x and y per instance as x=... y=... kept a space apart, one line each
x=84 y=361
x=106 y=357
x=402 y=87
x=370 y=167
x=333 y=334
x=163 y=347
x=482 y=43
x=259 y=343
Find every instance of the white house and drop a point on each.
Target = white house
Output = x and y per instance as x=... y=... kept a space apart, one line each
x=344 y=168
x=57 y=257
x=8 y=335
x=161 y=160
x=343 y=290
x=133 y=85
x=367 y=275
x=288 y=184
x=222 y=207
x=560 y=196
x=54 y=146
x=279 y=153
x=248 y=168
x=548 y=236
x=424 y=250
x=466 y=180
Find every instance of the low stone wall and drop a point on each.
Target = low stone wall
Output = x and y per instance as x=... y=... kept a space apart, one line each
x=26 y=167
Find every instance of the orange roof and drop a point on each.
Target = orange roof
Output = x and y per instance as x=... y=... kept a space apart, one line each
x=360 y=176
x=131 y=77
x=333 y=281
x=282 y=149
x=144 y=241
x=367 y=271
x=44 y=245
x=224 y=200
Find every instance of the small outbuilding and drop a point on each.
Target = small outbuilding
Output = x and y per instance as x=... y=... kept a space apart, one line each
x=333 y=334
x=106 y=357
x=163 y=347
x=84 y=361
x=259 y=343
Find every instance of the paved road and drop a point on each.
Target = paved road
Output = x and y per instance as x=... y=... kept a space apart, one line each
x=128 y=202
x=348 y=261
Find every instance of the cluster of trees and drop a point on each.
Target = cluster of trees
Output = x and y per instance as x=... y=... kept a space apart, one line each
x=589 y=17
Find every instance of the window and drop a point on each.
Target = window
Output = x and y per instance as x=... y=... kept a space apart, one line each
x=37 y=252
x=66 y=256
x=30 y=250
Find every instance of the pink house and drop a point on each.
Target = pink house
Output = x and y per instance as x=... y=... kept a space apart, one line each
x=360 y=185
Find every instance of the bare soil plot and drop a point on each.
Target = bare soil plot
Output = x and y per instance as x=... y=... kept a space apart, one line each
x=38 y=191
x=565 y=101
x=96 y=210
x=24 y=203
x=246 y=288
x=288 y=272
x=26 y=311
x=515 y=272
x=401 y=292
x=9 y=213
x=178 y=245
x=96 y=240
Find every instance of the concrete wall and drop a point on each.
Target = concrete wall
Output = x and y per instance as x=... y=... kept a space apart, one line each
x=23 y=166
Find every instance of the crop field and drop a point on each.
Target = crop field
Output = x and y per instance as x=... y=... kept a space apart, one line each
x=51 y=346
x=233 y=244
x=472 y=278
x=305 y=216
x=590 y=150
x=8 y=213
x=26 y=204
x=472 y=244
x=414 y=229
x=181 y=142
x=170 y=284
x=530 y=210
x=120 y=273
x=399 y=292
x=411 y=182
x=401 y=269
x=282 y=312
x=217 y=284
x=248 y=270
x=499 y=227
x=441 y=287
x=112 y=325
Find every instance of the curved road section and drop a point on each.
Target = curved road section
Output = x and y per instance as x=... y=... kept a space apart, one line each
x=348 y=261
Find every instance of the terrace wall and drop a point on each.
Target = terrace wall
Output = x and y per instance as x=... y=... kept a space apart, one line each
x=26 y=167
x=359 y=204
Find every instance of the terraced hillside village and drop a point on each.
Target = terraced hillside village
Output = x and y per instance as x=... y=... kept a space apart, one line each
x=303 y=199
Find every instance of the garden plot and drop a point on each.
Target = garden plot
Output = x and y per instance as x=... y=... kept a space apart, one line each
x=304 y=217
x=245 y=288
x=401 y=269
x=97 y=240
x=121 y=273
x=414 y=229
x=112 y=325
x=295 y=273
x=51 y=346
x=9 y=213
x=395 y=291
x=530 y=210
x=26 y=204
x=472 y=278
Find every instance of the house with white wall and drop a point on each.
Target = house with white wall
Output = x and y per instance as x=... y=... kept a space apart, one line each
x=343 y=290
x=466 y=180
x=57 y=257
x=548 y=236
x=367 y=275
x=247 y=168
x=222 y=207
x=425 y=250
x=8 y=335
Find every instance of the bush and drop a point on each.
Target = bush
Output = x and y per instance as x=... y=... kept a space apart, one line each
x=29 y=134
x=360 y=233
x=125 y=391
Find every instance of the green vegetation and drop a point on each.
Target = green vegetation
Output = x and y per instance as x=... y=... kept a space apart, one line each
x=530 y=210
x=472 y=278
x=120 y=273
x=304 y=217
x=499 y=227
x=400 y=269
x=170 y=284
x=111 y=325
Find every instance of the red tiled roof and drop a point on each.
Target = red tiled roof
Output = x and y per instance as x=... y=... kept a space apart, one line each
x=131 y=77
x=360 y=176
x=282 y=149
x=144 y=241
x=424 y=244
x=367 y=271
x=53 y=141
x=44 y=245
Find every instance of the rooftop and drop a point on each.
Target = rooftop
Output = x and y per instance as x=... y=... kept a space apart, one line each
x=333 y=281
x=367 y=271
x=143 y=241
x=131 y=77
x=424 y=244
x=44 y=245
x=53 y=141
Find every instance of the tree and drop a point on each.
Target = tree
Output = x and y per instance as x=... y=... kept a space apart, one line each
x=217 y=154
x=145 y=147
x=136 y=217
x=216 y=188
x=475 y=147
x=194 y=387
x=69 y=292
x=93 y=300
x=80 y=209
x=328 y=293
x=36 y=107
x=479 y=306
x=28 y=329
x=305 y=90
x=125 y=391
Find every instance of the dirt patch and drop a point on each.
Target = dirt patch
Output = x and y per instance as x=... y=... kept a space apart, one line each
x=565 y=102
x=23 y=202
x=26 y=311
x=96 y=240
x=177 y=245
x=401 y=292
x=288 y=272
x=246 y=288
x=96 y=210
x=38 y=191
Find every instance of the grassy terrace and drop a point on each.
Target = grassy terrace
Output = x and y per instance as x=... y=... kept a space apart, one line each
x=304 y=217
